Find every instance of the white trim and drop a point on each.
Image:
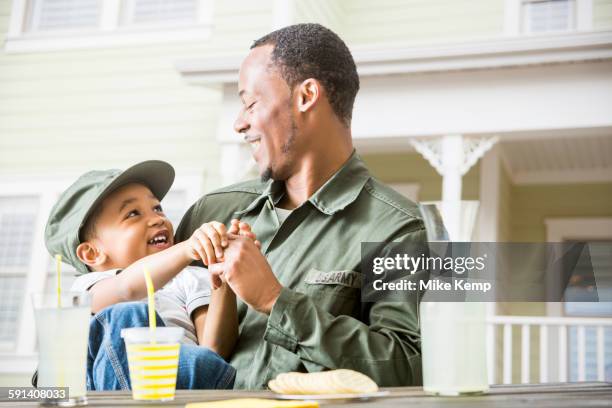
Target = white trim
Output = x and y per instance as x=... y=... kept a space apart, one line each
x=550 y=321
x=26 y=335
x=512 y=18
x=108 y=34
x=22 y=364
x=99 y=39
x=109 y=19
x=18 y=16
x=488 y=216
x=283 y=13
x=587 y=228
x=493 y=53
x=190 y=182
x=408 y=190
x=562 y=176
x=584 y=15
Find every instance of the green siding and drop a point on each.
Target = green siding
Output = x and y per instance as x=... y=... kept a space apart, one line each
x=330 y=13
x=72 y=110
x=602 y=14
x=531 y=204
x=415 y=21
x=413 y=168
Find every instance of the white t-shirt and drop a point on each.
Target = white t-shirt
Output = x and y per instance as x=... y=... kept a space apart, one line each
x=282 y=214
x=174 y=302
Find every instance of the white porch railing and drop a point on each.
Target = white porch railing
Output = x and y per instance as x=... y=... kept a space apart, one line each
x=548 y=328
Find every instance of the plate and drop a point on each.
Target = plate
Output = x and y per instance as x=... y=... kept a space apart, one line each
x=320 y=397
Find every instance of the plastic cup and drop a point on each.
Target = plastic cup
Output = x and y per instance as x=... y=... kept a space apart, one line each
x=153 y=362
x=62 y=334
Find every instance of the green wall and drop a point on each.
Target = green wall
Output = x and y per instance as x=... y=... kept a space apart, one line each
x=67 y=111
x=411 y=167
x=420 y=21
x=602 y=14
x=531 y=204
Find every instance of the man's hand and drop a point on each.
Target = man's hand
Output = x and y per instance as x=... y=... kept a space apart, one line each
x=248 y=273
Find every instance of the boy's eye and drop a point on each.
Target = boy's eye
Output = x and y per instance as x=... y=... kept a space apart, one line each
x=132 y=213
x=158 y=208
x=251 y=105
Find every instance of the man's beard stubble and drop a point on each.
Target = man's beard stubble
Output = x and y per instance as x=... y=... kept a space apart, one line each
x=280 y=174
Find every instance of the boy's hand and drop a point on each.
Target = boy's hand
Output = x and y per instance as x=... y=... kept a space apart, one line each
x=207 y=243
x=236 y=228
x=243 y=229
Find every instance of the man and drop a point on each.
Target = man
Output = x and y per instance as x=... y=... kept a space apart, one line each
x=300 y=306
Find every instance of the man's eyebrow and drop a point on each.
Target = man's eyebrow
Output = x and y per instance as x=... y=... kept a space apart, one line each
x=126 y=202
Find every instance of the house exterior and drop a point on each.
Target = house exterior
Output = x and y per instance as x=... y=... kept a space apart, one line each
x=508 y=102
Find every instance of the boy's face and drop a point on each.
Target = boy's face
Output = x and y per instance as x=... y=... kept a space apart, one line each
x=131 y=226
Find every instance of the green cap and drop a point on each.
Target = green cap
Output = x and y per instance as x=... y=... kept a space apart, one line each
x=75 y=205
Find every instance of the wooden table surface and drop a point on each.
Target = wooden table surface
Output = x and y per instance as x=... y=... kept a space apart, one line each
x=586 y=394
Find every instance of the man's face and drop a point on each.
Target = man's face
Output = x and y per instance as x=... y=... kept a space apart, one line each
x=266 y=118
x=132 y=225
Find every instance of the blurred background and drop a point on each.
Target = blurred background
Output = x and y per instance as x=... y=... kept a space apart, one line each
x=508 y=102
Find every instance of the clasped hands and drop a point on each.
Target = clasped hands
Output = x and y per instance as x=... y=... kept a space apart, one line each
x=234 y=256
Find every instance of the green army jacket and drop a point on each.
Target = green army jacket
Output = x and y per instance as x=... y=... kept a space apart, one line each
x=319 y=321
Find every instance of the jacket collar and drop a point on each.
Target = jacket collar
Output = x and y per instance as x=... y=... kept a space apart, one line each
x=336 y=194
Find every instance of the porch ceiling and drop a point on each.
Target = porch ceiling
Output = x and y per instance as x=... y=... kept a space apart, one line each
x=559 y=160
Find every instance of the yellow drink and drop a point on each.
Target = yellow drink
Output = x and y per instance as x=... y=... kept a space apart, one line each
x=153 y=363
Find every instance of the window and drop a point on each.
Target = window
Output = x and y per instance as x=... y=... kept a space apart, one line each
x=540 y=16
x=47 y=15
x=598 y=232
x=159 y=11
x=17 y=228
x=535 y=17
x=46 y=25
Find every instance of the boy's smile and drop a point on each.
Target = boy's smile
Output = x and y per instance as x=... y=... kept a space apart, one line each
x=131 y=226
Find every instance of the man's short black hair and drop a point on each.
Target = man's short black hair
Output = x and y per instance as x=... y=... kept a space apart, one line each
x=303 y=51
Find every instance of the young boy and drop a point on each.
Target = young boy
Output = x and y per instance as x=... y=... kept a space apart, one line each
x=110 y=225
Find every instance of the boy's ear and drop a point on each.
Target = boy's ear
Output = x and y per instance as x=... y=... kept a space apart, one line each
x=90 y=254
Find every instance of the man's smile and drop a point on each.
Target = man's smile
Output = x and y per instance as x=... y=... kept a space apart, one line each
x=254 y=142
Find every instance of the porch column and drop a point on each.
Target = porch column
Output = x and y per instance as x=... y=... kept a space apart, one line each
x=452 y=156
x=236 y=162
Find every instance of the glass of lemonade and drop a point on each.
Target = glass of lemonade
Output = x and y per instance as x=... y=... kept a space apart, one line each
x=153 y=357
x=62 y=327
x=453 y=334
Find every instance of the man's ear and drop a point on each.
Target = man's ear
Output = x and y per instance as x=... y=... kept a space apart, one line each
x=309 y=92
x=90 y=254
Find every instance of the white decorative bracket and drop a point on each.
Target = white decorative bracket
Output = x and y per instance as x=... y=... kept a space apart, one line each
x=452 y=156
x=473 y=149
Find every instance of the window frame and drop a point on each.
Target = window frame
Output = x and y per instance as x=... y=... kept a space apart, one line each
x=514 y=24
x=574 y=228
x=109 y=32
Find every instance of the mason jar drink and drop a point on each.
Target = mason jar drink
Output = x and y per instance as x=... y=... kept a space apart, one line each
x=62 y=327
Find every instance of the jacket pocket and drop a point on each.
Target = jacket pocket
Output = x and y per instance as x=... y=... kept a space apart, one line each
x=337 y=292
